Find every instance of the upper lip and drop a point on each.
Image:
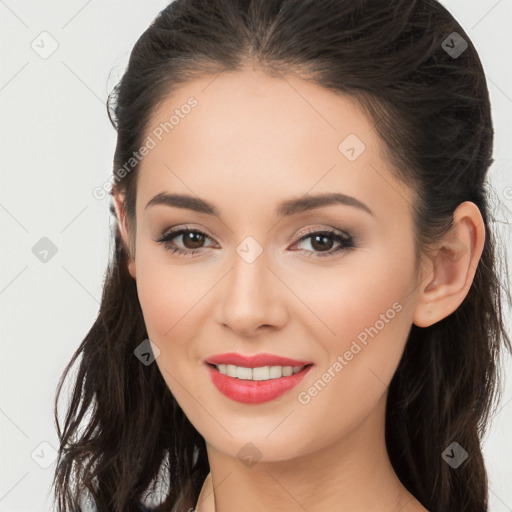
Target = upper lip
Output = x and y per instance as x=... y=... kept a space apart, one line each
x=254 y=361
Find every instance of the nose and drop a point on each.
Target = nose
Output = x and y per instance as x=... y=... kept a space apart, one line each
x=252 y=298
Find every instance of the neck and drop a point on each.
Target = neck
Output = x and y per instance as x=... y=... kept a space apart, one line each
x=352 y=473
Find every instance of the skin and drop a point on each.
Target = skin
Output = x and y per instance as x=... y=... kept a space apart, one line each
x=251 y=142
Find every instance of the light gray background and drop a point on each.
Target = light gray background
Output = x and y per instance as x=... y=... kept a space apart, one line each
x=56 y=146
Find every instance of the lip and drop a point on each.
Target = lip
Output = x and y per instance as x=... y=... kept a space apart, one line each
x=254 y=391
x=254 y=361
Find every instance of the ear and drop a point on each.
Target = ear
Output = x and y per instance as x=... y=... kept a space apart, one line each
x=451 y=269
x=123 y=230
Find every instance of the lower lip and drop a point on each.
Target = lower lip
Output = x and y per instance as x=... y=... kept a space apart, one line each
x=255 y=391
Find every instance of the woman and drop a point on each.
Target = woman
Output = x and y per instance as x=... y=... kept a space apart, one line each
x=303 y=310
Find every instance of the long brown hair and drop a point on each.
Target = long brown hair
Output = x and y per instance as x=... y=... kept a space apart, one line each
x=123 y=430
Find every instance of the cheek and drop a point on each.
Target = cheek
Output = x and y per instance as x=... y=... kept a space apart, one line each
x=368 y=291
x=370 y=317
x=169 y=296
x=366 y=316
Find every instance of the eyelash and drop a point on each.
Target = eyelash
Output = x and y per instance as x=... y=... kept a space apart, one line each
x=349 y=242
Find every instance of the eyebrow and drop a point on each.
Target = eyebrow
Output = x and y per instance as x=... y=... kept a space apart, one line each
x=286 y=208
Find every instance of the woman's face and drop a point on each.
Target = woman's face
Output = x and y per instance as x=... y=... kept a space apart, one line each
x=250 y=145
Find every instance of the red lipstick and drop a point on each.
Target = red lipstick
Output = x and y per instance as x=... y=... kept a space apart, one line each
x=254 y=391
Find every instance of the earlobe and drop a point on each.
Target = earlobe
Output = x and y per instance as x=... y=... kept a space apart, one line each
x=131 y=267
x=452 y=268
x=123 y=229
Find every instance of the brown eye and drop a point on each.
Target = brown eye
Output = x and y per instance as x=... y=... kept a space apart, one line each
x=322 y=242
x=193 y=239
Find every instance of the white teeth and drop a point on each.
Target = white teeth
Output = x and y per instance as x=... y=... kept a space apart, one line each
x=287 y=370
x=275 y=372
x=243 y=373
x=260 y=373
x=230 y=370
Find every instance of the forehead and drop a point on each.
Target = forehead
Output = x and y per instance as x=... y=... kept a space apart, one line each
x=241 y=112
x=264 y=139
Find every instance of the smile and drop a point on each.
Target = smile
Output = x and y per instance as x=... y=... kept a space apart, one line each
x=255 y=385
